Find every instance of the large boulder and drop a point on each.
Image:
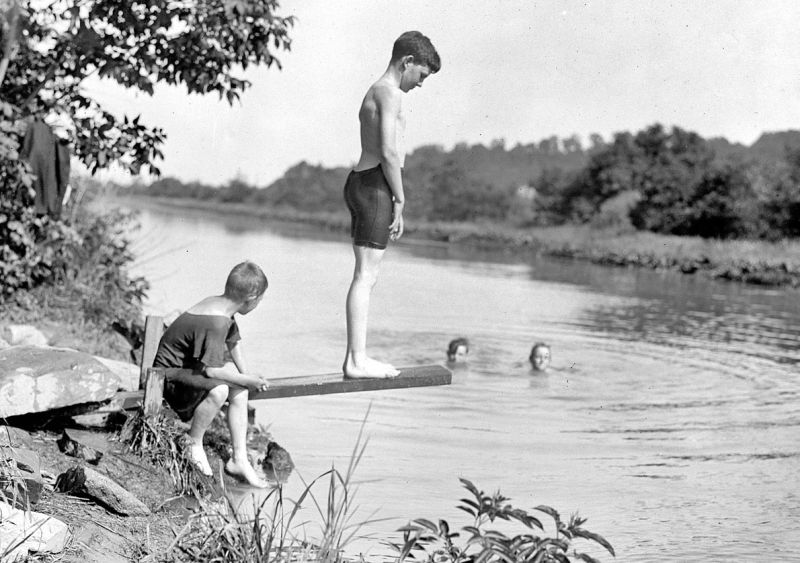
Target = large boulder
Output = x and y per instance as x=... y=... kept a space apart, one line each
x=37 y=379
x=127 y=372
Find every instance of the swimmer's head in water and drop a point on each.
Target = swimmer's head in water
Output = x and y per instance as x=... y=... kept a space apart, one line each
x=458 y=350
x=540 y=356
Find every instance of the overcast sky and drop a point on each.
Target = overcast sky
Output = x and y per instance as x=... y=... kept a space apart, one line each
x=521 y=70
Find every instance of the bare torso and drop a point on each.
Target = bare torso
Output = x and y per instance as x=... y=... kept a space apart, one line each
x=368 y=116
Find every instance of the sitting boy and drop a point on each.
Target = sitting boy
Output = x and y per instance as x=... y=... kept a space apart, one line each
x=198 y=378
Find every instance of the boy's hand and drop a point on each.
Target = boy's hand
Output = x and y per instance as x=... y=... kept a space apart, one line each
x=396 y=228
x=260 y=383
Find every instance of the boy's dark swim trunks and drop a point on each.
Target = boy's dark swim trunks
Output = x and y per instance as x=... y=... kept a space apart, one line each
x=369 y=199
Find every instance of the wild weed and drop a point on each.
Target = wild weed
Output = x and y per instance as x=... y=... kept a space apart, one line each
x=160 y=440
x=424 y=540
x=275 y=532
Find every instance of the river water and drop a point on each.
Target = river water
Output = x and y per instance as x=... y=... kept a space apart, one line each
x=670 y=417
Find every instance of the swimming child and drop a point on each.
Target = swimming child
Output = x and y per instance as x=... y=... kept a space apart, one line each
x=458 y=350
x=540 y=356
x=374 y=189
x=199 y=380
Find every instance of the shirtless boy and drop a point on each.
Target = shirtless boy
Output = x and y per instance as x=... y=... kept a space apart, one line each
x=374 y=189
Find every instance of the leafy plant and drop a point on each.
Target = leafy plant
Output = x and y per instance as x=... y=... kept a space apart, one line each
x=437 y=543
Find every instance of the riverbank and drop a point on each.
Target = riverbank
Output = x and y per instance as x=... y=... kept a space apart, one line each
x=751 y=262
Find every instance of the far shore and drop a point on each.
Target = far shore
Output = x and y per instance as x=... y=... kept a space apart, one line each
x=746 y=261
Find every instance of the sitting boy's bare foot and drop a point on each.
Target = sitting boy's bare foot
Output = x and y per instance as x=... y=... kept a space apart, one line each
x=197 y=455
x=369 y=368
x=243 y=471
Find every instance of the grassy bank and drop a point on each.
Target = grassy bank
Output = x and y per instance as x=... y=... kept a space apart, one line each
x=753 y=262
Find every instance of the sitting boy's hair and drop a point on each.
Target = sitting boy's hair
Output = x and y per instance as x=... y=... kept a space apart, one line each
x=420 y=47
x=245 y=281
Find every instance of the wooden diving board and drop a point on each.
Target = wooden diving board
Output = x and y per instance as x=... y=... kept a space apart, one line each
x=417 y=376
x=151 y=388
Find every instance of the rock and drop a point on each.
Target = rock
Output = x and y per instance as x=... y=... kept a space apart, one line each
x=24 y=335
x=15 y=437
x=25 y=486
x=34 y=532
x=93 y=484
x=277 y=463
x=88 y=446
x=37 y=379
x=127 y=373
x=112 y=414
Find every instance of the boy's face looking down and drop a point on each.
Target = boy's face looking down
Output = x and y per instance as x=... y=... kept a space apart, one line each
x=413 y=74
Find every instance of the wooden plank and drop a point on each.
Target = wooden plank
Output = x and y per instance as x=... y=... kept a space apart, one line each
x=418 y=376
x=153 y=391
x=153 y=329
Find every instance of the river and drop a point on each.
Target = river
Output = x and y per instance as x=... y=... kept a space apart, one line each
x=670 y=417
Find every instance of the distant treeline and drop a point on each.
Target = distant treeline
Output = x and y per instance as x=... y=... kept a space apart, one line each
x=667 y=181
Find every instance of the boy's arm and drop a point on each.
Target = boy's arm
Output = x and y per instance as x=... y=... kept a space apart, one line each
x=388 y=101
x=237 y=356
x=235 y=373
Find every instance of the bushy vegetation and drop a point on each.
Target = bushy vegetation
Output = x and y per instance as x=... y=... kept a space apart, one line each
x=75 y=268
x=671 y=182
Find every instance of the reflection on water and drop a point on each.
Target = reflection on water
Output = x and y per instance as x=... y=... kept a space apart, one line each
x=669 y=417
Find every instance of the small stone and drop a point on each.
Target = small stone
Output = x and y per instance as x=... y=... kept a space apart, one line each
x=23 y=532
x=15 y=437
x=25 y=335
x=277 y=463
x=87 y=446
x=101 y=488
x=24 y=488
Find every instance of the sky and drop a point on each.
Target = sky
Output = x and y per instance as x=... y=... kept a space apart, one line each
x=519 y=70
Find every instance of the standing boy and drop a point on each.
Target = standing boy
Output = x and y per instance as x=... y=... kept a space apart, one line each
x=199 y=379
x=374 y=189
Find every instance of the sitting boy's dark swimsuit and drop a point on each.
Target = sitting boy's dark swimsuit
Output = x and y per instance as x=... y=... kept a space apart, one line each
x=189 y=344
x=369 y=199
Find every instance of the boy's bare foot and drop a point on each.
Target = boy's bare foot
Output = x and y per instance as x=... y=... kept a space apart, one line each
x=243 y=471
x=197 y=455
x=369 y=368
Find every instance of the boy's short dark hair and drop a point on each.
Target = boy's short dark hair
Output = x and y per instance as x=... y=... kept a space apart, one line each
x=420 y=47
x=246 y=280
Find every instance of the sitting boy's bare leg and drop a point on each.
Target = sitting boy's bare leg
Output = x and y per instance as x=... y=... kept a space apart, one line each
x=356 y=363
x=201 y=419
x=239 y=466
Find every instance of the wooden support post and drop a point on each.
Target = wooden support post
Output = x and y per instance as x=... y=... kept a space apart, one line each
x=153 y=329
x=153 y=392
